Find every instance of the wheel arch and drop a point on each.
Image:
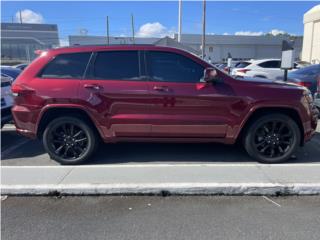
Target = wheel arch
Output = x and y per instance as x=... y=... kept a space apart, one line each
x=262 y=111
x=52 y=112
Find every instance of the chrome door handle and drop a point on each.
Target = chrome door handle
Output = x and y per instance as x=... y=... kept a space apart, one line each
x=93 y=86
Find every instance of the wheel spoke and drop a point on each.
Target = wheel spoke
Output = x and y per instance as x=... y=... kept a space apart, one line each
x=80 y=140
x=71 y=129
x=77 y=134
x=66 y=151
x=58 y=150
x=272 y=152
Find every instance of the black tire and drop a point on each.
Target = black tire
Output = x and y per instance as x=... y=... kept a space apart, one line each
x=272 y=138
x=69 y=140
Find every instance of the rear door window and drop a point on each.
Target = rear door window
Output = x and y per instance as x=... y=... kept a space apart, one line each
x=70 y=65
x=116 y=65
x=172 y=67
x=270 y=64
x=242 y=64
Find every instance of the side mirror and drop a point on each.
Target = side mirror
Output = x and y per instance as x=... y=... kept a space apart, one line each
x=210 y=74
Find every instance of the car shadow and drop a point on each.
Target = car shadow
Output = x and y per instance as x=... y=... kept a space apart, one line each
x=32 y=153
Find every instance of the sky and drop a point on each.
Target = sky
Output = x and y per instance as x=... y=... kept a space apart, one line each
x=158 y=19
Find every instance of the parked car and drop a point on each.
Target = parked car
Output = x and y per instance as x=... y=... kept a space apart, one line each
x=301 y=64
x=71 y=97
x=308 y=77
x=6 y=99
x=264 y=68
x=21 y=66
x=10 y=71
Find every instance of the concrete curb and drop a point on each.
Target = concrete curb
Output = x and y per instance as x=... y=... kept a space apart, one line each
x=269 y=189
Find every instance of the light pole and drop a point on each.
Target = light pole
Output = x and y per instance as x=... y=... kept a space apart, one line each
x=179 y=21
x=204 y=29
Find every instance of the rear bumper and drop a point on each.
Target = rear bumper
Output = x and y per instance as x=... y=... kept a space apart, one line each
x=25 y=120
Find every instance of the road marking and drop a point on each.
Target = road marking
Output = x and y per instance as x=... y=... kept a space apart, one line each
x=14 y=147
x=268 y=199
x=9 y=127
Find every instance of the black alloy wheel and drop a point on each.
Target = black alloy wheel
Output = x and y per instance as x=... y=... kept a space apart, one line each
x=272 y=138
x=69 y=140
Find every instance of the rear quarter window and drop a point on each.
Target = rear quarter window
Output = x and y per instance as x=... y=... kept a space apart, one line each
x=70 y=65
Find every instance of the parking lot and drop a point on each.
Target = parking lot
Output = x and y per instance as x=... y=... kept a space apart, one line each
x=20 y=151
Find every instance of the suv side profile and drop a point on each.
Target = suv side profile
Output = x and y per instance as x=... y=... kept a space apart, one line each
x=72 y=97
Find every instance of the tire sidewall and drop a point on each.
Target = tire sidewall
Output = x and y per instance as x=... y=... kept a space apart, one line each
x=250 y=135
x=84 y=126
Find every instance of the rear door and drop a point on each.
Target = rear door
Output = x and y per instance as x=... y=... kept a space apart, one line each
x=183 y=105
x=115 y=90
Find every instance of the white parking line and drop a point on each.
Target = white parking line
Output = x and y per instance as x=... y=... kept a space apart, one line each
x=9 y=127
x=269 y=200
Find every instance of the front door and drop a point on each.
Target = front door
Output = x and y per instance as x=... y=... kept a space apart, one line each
x=185 y=106
x=115 y=91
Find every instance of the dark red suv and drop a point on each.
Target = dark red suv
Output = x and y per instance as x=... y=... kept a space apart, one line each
x=72 y=97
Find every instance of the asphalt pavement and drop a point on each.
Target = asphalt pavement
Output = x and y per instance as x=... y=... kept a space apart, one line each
x=116 y=217
x=19 y=151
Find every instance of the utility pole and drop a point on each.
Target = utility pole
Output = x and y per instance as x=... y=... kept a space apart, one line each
x=179 y=21
x=132 y=25
x=204 y=29
x=20 y=16
x=108 y=39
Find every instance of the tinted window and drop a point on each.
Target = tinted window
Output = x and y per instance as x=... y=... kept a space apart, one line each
x=171 y=67
x=118 y=65
x=242 y=64
x=71 y=65
x=270 y=64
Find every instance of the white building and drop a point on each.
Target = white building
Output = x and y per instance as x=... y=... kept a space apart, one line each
x=240 y=47
x=217 y=46
x=102 y=40
x=311 y=37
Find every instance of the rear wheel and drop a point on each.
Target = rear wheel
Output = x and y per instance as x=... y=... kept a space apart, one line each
x=69 y=140
x=272 y=138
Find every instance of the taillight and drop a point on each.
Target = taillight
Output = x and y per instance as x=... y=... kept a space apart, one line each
x=304 y=84
x=18 y=89
x=244 y=70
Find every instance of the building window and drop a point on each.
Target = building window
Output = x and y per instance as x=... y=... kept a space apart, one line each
x=210 y=49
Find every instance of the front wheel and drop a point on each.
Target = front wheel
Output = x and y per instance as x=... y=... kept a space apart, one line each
x=272 y=138
x=69 y=140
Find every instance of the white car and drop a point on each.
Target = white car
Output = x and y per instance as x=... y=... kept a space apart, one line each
x=6 y=99
x=264 y=68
